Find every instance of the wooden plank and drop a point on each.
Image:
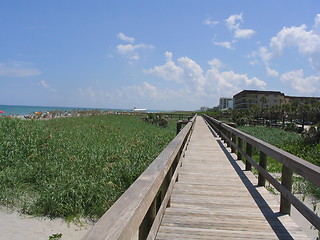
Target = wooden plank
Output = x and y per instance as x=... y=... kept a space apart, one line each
x=289 y=161
x=215 y=199
x=296 y=164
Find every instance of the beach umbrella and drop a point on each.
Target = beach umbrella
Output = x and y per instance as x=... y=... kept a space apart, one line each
x=37 y=112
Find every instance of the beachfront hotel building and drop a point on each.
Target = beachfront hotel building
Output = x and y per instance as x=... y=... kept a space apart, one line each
x=225 y=103
x=248 y=98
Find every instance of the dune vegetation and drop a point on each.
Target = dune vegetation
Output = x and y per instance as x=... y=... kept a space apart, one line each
x=292 y=142
x=75 y=166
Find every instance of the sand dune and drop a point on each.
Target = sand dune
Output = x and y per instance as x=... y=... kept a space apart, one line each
x=15 y=226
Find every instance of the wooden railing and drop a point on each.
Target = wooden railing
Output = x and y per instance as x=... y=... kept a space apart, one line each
x=138 y=212
x=290 y=163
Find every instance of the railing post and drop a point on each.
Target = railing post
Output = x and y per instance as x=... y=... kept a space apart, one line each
x=249 y=152
x=286 y=181
x=223 y=132
x=179 y=126
x=147 y=221
x=165 y=186
x=228 y=136
x=169 y=177
x=233 y=139
x=240 y=146
x=263 y=164
x=220 y=130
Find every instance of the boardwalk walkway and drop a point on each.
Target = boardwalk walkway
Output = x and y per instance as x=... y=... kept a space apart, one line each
x=215 y=199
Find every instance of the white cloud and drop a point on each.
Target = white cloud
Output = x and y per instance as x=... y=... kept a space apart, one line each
x=186 y=72
x=244 y=33
x=146 y=90
x=210 y=23
x=317 y=23
x=193 y=80
x=264 y=54
x=125 y=38
x=306 y=42
x=169 y=71
x=271 y=72
x=193 y=73
x=228 y=83
x=216 y=63
x=18 y=69
x=145 y=95
x=125 y=48
x=226 y=44
x=135 y=57
x=254 y=62
x=190 y=86
x=44 y=84
x=301 y=84
x=131 y=50
x=233 y=23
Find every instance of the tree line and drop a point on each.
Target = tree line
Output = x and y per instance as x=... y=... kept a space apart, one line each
x=285 y=113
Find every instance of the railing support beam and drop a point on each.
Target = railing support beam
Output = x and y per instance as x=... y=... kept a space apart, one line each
x=147 y=221
x=229 y=136
x=239 y=155
x=249 y=152
x=263 y=164
x=285 y=205
x=233 y=139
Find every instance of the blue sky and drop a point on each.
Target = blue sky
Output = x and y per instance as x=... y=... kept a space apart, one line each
x=160 y=55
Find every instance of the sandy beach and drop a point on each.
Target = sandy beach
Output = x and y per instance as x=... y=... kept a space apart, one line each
x=15 y=226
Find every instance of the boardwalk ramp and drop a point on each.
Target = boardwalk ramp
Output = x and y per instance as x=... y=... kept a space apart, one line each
x=214 y=198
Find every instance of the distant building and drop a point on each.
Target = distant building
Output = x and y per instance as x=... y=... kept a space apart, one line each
x=225 y=103
x=139 y=110
x=247 y=98
x=203 y=109
x=305 y=100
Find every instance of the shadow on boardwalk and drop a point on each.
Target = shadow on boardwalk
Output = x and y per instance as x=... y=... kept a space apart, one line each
x=271 y=216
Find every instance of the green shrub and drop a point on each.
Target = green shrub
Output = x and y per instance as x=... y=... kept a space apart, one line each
x=290 y=142
x=76 y=166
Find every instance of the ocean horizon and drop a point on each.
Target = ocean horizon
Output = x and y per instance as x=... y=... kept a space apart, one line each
x=28 y=110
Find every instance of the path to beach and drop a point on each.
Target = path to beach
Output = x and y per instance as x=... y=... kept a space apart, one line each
x=21 y=227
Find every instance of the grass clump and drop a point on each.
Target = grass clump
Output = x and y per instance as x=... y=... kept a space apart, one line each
x=77 y=166
x=291 y=142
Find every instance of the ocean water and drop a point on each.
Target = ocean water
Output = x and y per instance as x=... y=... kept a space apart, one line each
x=28 y=110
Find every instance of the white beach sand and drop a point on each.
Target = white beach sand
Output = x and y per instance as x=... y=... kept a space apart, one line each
x=14 y=226
x=301 y=221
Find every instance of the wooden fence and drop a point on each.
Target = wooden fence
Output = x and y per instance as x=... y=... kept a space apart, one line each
x=290 y=164
x=137 y=213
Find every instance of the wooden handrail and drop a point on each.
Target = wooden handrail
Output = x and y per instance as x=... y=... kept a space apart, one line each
x=140 y=207
x=290 y=164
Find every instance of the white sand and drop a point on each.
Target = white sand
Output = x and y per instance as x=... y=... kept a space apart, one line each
x=304 y=223
x=15 y=226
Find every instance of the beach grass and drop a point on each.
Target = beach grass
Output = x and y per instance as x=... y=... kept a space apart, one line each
x=293 y=143
x=77 y=166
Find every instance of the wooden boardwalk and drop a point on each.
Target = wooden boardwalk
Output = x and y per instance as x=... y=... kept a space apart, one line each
x=215 y=199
